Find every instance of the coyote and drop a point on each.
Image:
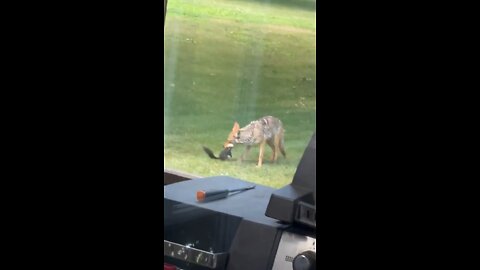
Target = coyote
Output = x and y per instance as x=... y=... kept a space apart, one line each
x=266 y=130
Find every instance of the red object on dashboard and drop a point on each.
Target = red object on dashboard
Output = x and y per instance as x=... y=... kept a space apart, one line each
x=167 y=266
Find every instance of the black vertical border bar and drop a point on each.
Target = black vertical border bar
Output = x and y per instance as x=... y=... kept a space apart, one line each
x=164 y=11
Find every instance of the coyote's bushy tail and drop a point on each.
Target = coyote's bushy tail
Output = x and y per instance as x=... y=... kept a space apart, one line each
x=282 y=144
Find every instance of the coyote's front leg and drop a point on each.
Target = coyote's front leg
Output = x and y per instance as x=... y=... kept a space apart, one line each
x=245 y=153
x=260 y=155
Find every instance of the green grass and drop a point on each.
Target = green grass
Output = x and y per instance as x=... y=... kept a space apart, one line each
x=229 y=61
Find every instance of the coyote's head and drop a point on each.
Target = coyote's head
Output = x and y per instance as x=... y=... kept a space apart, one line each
x=232 y=136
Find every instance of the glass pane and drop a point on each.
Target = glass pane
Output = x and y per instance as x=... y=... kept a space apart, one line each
x=237 y=61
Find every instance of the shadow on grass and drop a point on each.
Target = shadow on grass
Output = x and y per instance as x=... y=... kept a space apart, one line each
x=309 y=5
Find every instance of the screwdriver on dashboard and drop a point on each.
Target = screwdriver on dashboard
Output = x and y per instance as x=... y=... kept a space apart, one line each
x=210 y=195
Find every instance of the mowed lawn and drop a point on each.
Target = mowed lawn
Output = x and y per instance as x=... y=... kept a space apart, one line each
x=229 y=61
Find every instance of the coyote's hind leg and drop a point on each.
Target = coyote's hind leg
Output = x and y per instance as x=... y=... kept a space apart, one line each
x=274 y=153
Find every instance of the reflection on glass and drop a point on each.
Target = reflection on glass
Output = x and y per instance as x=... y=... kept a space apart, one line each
x=238 y=61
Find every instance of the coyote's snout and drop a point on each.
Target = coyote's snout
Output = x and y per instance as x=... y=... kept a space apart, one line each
x=266 y=130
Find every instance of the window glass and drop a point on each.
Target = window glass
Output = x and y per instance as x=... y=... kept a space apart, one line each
x=232 y=61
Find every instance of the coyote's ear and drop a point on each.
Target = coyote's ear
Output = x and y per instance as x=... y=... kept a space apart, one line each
x=236 y=126
x=232 y=135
